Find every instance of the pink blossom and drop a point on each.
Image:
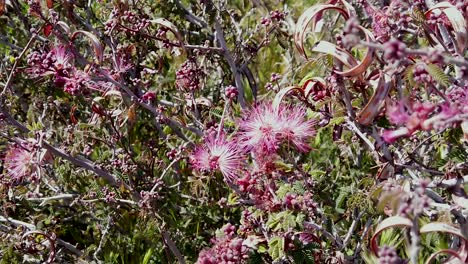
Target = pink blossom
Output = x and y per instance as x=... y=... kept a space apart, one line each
x=227 y=248
x=19 y=162
x=76 y=83
x=439 y=120
x=62 y=57
x=122 y=64
x=266 y=127
x=412 y=115
x=380 y=25
x=260 y=129
x=397 y=113
x=218 y=154
x=420 y=113
x=459 y=97
x=149 y=96
x=296 y=129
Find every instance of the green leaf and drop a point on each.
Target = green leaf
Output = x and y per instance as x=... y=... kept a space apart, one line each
x=409 y=76
x=418 y=16
x=147 y=256
x=281 y=221
x=342 y=197
x=276 y=248
x=336 y=120
x=262 y=249
x=438 y=74
x=283 y=190
x=300 y=218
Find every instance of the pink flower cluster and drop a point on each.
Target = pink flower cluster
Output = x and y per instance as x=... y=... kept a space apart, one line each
x=227 y=249
x=188 y=76
x=427 y=116
x=58 y=63
x=262 y=132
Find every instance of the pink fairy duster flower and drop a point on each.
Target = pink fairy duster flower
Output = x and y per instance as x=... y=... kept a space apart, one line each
x=296 y=129
x=439 y=120
x=77 y=82
x=19 y=162
x=420 y=113
x=266 y=127
x=259 y=131
x=218 y=154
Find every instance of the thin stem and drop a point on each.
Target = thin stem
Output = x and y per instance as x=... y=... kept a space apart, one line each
x=80 y=162
x=101 y=242
x=351 y=230
x=419 y=52
x=415 y=240
x=230 y=60
x=13 y=69
x=172 y=246
x=355 y=129
x=221 y=123
x=163 y=174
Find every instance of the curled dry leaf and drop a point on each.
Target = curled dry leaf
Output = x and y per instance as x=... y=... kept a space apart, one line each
x=279 y=96
x=372 y=108
x=72 y=115
x=309 y=85
x=113 y=93
x=98 y=48
x=446 y=228
x=433 y=256
x=50 y=238
x=2 y=7
x=203 y=101
x=349 y=8
x=366 y=62
x=399 y=221
x=456 y=19
x=312 y=16
x=340 y=54
x=391 y=222
x=64 y=26
x=305 y=90
x=131 y=114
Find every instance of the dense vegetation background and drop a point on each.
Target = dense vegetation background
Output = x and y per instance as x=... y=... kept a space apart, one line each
x=218 y=131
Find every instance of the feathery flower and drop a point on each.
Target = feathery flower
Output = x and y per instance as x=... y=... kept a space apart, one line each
x=296 y=129
x=62 y=57
x=266 y=127
x=19 y=162
x=260 y=129
x=218 y=154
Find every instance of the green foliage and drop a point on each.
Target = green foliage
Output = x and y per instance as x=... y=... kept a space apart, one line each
x=276 y=248
x=438 y=74
x=118 y=171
